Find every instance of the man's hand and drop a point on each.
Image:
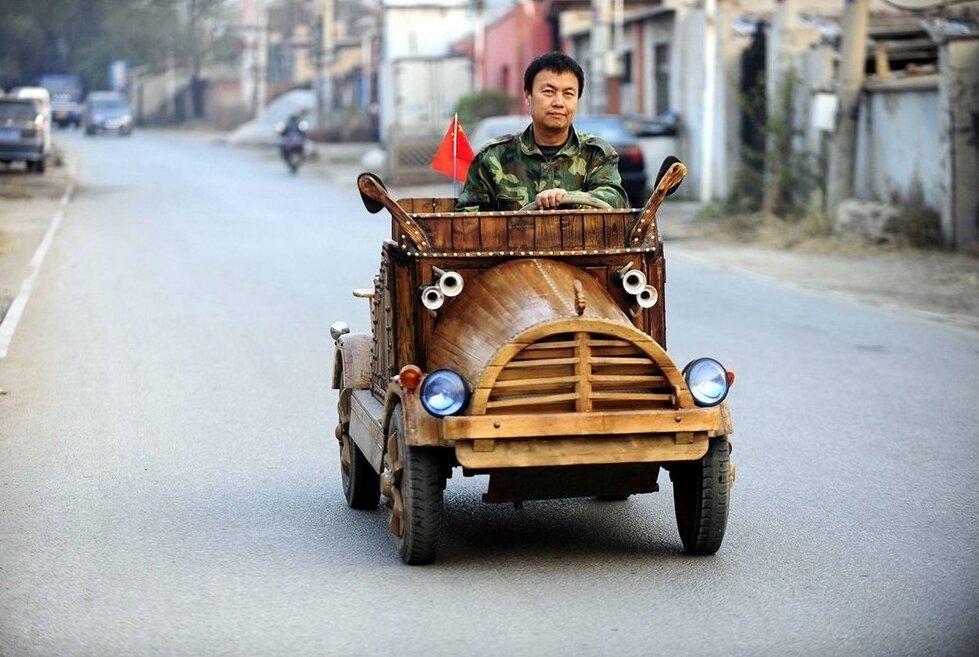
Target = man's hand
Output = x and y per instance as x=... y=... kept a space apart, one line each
x=550 y=199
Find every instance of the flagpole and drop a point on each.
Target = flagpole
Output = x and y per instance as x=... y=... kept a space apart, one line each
x=455 y=151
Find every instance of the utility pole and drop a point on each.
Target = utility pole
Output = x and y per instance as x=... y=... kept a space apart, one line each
x=853 y=58
x=324 y=62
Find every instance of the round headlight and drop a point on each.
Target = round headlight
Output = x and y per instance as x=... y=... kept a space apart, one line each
x=707 y=380
x=443 y=393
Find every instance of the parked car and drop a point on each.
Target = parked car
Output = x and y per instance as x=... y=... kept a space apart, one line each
x=107 y=111
x=42 y=100
x=22 y=133
x=528 y=346
x=632 y=163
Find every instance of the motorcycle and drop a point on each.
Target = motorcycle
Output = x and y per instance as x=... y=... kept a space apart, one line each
x=292 y=144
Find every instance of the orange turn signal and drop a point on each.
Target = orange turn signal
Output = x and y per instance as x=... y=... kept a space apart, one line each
x=410 y=376
x=730 y=378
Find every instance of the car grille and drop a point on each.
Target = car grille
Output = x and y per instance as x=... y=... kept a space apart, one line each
x=579 y=372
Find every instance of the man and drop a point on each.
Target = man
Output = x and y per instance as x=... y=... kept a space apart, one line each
x=549 y=158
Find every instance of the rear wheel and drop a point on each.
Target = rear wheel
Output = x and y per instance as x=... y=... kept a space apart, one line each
x=361 y=484
x=701 y=498
x=413 y=482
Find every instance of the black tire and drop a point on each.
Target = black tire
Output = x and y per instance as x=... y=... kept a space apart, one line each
x=39 y=166
x=701 y=498
x=419 y=484
x=361 y=484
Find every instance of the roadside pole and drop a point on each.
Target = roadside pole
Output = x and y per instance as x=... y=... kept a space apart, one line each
x=849 y=83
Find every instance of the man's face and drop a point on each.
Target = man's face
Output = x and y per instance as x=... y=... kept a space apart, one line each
x=553 y=101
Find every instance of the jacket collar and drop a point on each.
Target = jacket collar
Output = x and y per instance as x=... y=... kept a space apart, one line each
x=529 y=146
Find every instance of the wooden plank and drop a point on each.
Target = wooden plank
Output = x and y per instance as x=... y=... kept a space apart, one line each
x=493 y=233
x=537 y=372
x=439 y=231
x=548 y=233
x=535 y=383
x=542 y=362
x=520 y=233
x=615 y=227
x=649 y=380
x=581 y=451
x=632 y=396
x=465 y=233
x=532 y=401
x=594 y=231
x=572 y=231
x=583 y=372
x=529 y=425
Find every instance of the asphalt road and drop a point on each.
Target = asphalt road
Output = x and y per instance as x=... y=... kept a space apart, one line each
x=169 y=478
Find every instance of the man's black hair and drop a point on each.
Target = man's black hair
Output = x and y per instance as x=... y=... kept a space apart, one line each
x=553 y=61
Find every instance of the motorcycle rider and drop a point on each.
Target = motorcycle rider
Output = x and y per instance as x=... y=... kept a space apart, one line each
x=292 y=140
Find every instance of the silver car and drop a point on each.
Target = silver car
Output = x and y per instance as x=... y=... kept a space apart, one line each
x=107 y=111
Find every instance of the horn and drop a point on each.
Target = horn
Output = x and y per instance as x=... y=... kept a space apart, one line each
x=633 y=281
x=449 y=282
x=432 y=297
x=647 y=297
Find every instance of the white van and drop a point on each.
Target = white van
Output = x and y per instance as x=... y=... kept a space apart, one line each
x=42 y=98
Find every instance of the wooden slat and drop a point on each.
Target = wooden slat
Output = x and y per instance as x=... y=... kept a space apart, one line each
x=538 y=372
x=465 y=233
x=615 y=227
x=572 y=231
x=439 y=231
x=631 y=396
x=537 y=354
x=531 y=401
x=529 y=383
x=548 y=233
x=520 y=232
x=541 y=362
x=594 y=231
x=630 y=379
x=493 y=233
x=616 y=360
x=610 y=343
x=583 y=371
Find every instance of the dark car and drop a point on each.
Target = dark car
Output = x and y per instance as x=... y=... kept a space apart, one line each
x=22 y=133
x=107 y=111
x=632 y=163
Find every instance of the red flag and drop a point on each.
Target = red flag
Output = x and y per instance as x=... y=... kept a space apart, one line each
x=454 y=154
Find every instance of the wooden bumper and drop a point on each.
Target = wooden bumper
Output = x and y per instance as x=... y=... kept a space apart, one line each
x=504 y=441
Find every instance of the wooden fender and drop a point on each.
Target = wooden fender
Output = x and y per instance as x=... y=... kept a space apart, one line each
x=352 y=357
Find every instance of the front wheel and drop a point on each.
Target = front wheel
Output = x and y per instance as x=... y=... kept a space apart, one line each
x=413 y=482
x=361 y=484
x=701 y=498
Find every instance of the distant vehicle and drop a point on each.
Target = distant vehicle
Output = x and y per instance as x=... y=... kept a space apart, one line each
x=22 y=133
x=42 y=99
x=292 y=142
x=66 y=98
x=107 y=111
x=632 y=163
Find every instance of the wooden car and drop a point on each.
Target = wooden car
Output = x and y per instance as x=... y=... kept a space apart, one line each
x=528 y=346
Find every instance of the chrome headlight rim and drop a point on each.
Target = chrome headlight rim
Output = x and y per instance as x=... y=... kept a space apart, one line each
x=700 y=371
x=436 y=377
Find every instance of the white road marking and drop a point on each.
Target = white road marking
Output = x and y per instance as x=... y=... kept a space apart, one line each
x=16 y=309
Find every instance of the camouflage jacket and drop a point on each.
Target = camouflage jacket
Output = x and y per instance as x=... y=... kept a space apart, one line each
x=511 y=170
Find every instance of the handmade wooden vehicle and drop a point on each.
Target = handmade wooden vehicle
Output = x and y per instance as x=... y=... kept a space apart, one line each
x=529 y=346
